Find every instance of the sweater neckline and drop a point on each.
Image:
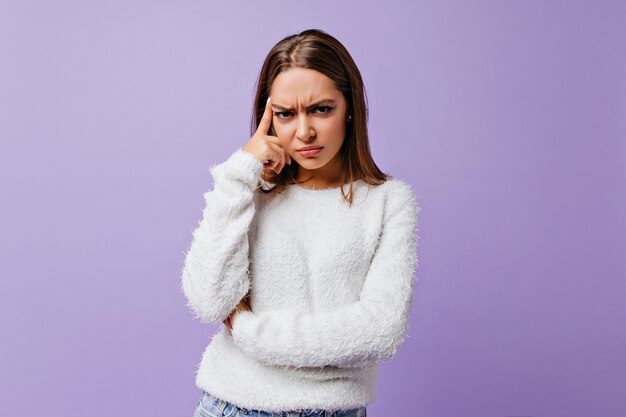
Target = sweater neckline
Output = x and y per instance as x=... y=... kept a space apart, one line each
x=321 y=190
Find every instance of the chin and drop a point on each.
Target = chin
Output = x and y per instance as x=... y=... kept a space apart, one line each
x=312 y=163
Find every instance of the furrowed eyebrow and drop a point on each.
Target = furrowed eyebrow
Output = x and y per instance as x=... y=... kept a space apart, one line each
x=328 y=100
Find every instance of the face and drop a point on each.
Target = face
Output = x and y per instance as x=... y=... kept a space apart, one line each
x=309 y=111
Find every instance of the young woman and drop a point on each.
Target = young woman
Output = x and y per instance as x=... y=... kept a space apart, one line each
x=312 y=283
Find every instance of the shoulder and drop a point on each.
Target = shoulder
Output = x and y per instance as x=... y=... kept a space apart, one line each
x=400 y=194
x=400 y=205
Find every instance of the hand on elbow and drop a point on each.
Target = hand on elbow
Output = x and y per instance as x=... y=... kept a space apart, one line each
x=243 y=305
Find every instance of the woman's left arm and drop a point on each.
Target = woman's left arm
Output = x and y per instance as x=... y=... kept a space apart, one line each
x=368 y=331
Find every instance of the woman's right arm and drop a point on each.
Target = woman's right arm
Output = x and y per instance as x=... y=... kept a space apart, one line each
x=215 y=272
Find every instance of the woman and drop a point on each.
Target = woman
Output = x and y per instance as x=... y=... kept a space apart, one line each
x=313 y=284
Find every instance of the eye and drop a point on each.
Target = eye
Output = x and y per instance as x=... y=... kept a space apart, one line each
x=279 y=114
x=327 y=108
x=285 y=114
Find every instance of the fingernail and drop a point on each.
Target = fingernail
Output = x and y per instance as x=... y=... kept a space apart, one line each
x=268 y=100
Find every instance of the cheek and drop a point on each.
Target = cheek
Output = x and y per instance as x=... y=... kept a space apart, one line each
x=278 y=130
x=334 y=128
x=284 y=131
x=335 y=120
x=283 y=135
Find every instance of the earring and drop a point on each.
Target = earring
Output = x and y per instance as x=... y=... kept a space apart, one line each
x=349 y=117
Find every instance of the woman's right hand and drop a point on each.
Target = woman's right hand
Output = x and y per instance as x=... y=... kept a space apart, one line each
x=265 y=147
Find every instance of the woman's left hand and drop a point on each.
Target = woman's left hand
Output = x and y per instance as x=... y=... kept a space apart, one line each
x=243 y=305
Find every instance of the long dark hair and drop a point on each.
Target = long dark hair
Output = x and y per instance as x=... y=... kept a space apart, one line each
x=316 y=49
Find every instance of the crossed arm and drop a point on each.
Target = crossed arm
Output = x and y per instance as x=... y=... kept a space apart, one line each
x=368 y=331
x=215 y=272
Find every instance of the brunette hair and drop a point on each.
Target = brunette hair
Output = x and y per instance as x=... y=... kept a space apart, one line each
x=316 y=49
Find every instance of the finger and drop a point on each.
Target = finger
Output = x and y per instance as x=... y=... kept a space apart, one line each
x=274 y=139
x=271 y=160
x=279 y=158
x=275 y=156
x=266 y=120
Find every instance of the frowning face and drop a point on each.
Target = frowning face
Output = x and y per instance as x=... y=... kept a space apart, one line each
x=309 y=111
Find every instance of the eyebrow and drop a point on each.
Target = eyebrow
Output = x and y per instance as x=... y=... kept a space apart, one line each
x=326 y=100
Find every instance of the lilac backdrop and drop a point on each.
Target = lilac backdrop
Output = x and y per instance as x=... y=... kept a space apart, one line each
x=508 y=118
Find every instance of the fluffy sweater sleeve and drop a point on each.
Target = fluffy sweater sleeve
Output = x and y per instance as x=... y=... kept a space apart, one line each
x=368 y=331
x=215 y=272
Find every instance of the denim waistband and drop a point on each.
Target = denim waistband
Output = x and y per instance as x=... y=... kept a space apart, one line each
x=220 y=406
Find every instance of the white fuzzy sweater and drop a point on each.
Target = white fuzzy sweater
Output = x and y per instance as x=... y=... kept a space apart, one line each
x=330 y=288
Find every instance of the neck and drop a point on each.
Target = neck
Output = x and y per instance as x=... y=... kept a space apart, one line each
x=325 y=177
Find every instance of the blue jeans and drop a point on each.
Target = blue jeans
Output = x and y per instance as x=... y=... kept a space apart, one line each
x=211 y=406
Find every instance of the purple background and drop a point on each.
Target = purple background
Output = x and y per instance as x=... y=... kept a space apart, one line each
x=508 y=118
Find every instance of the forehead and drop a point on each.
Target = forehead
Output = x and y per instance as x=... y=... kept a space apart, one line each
x=302 y=86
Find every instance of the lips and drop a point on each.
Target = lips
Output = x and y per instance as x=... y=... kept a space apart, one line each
x=310 y=151
x=309 y=148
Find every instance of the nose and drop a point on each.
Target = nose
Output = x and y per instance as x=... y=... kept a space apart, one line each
x=304 y=130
